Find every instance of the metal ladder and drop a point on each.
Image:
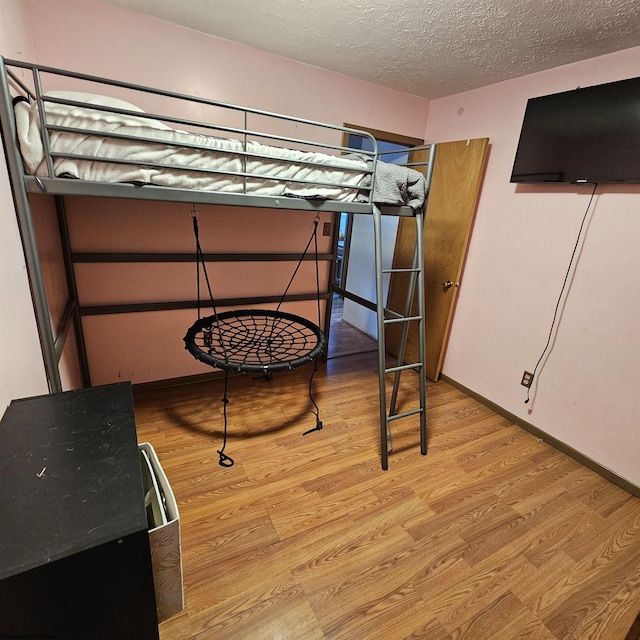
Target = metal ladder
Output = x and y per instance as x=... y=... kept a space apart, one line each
x=386 y=317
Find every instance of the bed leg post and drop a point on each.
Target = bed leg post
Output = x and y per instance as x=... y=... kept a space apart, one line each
x=377 y=232
x=28 y=236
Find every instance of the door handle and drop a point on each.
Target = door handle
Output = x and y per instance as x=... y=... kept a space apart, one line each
x=446 y=285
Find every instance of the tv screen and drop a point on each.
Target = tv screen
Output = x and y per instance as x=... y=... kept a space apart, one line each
x=589 y=134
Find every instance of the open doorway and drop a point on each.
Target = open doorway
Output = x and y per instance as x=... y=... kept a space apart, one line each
x=354 y=327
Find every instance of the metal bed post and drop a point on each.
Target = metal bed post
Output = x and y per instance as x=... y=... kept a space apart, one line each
x=380 y=309
x=72 y=313
x=28 y=236
x=422 y=373
x=420 y=219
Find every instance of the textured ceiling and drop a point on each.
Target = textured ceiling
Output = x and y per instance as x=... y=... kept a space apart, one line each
x=430 y=48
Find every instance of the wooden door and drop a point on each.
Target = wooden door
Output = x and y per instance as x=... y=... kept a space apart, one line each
x=455 y=185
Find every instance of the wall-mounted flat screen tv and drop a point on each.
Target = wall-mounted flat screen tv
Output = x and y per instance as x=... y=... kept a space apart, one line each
x=589 y=134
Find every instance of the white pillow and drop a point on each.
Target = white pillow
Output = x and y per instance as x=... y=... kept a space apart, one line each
x=56 y=111
x=93 y=98
x=28 y=123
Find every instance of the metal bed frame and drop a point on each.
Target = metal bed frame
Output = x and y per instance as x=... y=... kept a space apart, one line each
x=22 y=184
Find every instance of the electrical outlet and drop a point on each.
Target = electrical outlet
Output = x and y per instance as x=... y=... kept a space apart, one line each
x=326 y=229
x=527 y=379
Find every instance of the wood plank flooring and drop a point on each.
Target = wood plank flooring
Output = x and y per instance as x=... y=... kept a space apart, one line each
x=493 y=535
x=346 y=339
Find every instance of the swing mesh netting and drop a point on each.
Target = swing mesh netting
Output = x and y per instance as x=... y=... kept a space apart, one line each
x=255 y=341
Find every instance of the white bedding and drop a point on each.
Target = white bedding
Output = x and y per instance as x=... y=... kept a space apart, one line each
x=270 y=175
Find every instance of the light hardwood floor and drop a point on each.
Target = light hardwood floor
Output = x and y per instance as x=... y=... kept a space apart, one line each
x=344 y=338
x=494 y=535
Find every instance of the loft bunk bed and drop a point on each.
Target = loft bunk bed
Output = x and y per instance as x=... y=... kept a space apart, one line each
x=85 y=142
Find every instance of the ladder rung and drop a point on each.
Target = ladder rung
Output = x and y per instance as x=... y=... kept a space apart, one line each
x=406 y=414
x=404 y=367
x=402 y=319
x=401 y=270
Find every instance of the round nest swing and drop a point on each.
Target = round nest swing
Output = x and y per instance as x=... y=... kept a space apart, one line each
x=255 y=341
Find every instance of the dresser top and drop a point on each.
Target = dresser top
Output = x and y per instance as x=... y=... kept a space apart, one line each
x=69 y=475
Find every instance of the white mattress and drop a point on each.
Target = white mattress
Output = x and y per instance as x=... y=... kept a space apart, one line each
x=207 y=165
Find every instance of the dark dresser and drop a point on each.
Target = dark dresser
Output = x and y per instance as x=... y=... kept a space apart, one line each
x=74 y=545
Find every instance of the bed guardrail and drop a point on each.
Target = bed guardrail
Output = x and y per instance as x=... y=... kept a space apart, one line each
x=44 y=79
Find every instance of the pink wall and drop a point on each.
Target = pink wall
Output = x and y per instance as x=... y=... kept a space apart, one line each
x=587 y=394
x=21 y=368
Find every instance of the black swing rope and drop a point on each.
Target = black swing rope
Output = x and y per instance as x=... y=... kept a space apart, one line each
x=224 y=460
x=313 y=238
x=256 y=335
